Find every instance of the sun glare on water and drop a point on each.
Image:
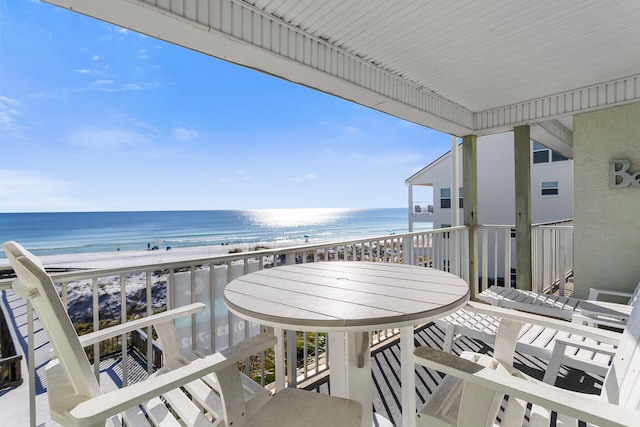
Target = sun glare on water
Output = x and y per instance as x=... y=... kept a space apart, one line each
x=282 y=218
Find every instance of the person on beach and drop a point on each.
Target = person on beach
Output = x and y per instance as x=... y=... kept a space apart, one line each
x=148 y=246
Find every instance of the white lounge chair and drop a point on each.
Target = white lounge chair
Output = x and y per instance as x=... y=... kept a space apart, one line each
x=75 y=398
x=473 y=390
x=563 y=307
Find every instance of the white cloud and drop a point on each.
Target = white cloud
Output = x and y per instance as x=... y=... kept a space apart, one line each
x=108 y=139
x=83 y=71
x=307 y=177
x=9 y=115
x=393 y=159
x=183 y=134
x=26 y=190
x=351 y=129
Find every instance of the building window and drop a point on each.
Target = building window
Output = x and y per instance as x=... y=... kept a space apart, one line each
x=557 y=157
x=549 y=188
x=540 y=153
x=445 y=198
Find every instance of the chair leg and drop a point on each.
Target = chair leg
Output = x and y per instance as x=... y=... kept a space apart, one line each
x=551 y=374
x=449 y=338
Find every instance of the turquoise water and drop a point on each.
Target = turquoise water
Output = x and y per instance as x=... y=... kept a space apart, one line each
x=78 y=232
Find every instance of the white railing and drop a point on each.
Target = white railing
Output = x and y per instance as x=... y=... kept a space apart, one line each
x=496 y=255
x=552 y=256
x=110 y=294
x=96 y=297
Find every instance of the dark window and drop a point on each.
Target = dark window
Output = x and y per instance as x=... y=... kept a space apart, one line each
x=445 y=198
x=540 y=153
x=549 y=188
x=557 y=157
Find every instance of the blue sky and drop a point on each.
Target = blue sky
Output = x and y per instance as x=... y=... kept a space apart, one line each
x=94 y=117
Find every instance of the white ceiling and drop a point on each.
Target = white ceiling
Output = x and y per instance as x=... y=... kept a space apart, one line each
x=463 y=66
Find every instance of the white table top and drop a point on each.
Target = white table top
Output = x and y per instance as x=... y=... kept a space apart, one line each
x=345 y=296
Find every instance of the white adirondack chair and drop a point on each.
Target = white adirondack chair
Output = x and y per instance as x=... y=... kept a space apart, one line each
x=75 y=398
x=591 y=353
x=473 y=390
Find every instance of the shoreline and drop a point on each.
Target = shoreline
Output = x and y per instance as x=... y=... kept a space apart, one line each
x=120 y=259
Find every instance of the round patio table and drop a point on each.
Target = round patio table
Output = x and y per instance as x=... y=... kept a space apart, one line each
x=348 y=300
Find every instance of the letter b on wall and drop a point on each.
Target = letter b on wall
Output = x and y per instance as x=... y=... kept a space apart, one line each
x=619 y=176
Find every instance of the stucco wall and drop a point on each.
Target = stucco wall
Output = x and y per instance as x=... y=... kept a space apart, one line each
x=607 y=220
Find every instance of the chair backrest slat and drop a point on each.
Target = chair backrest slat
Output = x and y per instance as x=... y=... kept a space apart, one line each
x=35 y=285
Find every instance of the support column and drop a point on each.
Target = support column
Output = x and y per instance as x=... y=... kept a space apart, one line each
x=455 y=183
x=470 y=185
x=411 y=207
x=522 y=160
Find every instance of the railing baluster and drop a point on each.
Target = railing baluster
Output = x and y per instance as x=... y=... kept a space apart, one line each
x=123 y=319
x=149 y=295
x=96 y=327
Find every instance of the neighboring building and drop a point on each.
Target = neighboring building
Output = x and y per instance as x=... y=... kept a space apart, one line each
x=551 y=185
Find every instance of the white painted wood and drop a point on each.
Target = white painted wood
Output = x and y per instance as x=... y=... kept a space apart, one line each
x=279 y=355
x=556 y=341
x=346 y=299
x=76 y=399
x=407 y=375
x=482 y=376
x=338 y=363
x=590 y=312
x=358 y=373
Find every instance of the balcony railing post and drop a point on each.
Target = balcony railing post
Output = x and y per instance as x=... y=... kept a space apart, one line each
x=292 y=358
x=470 y=184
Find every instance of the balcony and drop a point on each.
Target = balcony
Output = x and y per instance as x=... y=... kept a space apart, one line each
x=96 y=298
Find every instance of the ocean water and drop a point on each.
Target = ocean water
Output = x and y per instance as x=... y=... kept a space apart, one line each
x=79 y=232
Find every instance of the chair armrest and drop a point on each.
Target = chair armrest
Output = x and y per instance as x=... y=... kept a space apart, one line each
x=99 y=408
x=594 y=293
x=602 y=335
x=112 y=331
x=570 y=342
x=596 y=321
x=581 y=406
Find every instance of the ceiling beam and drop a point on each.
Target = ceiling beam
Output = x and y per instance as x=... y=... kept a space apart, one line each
x=552 y=134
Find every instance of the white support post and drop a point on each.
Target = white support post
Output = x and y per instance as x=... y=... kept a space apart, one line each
x=411 y=207
x=408 y=377
x=279 y=356
x=455 y=182
x=455 y=199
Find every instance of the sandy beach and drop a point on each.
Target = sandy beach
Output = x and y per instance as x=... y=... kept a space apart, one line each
x=118 y=259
